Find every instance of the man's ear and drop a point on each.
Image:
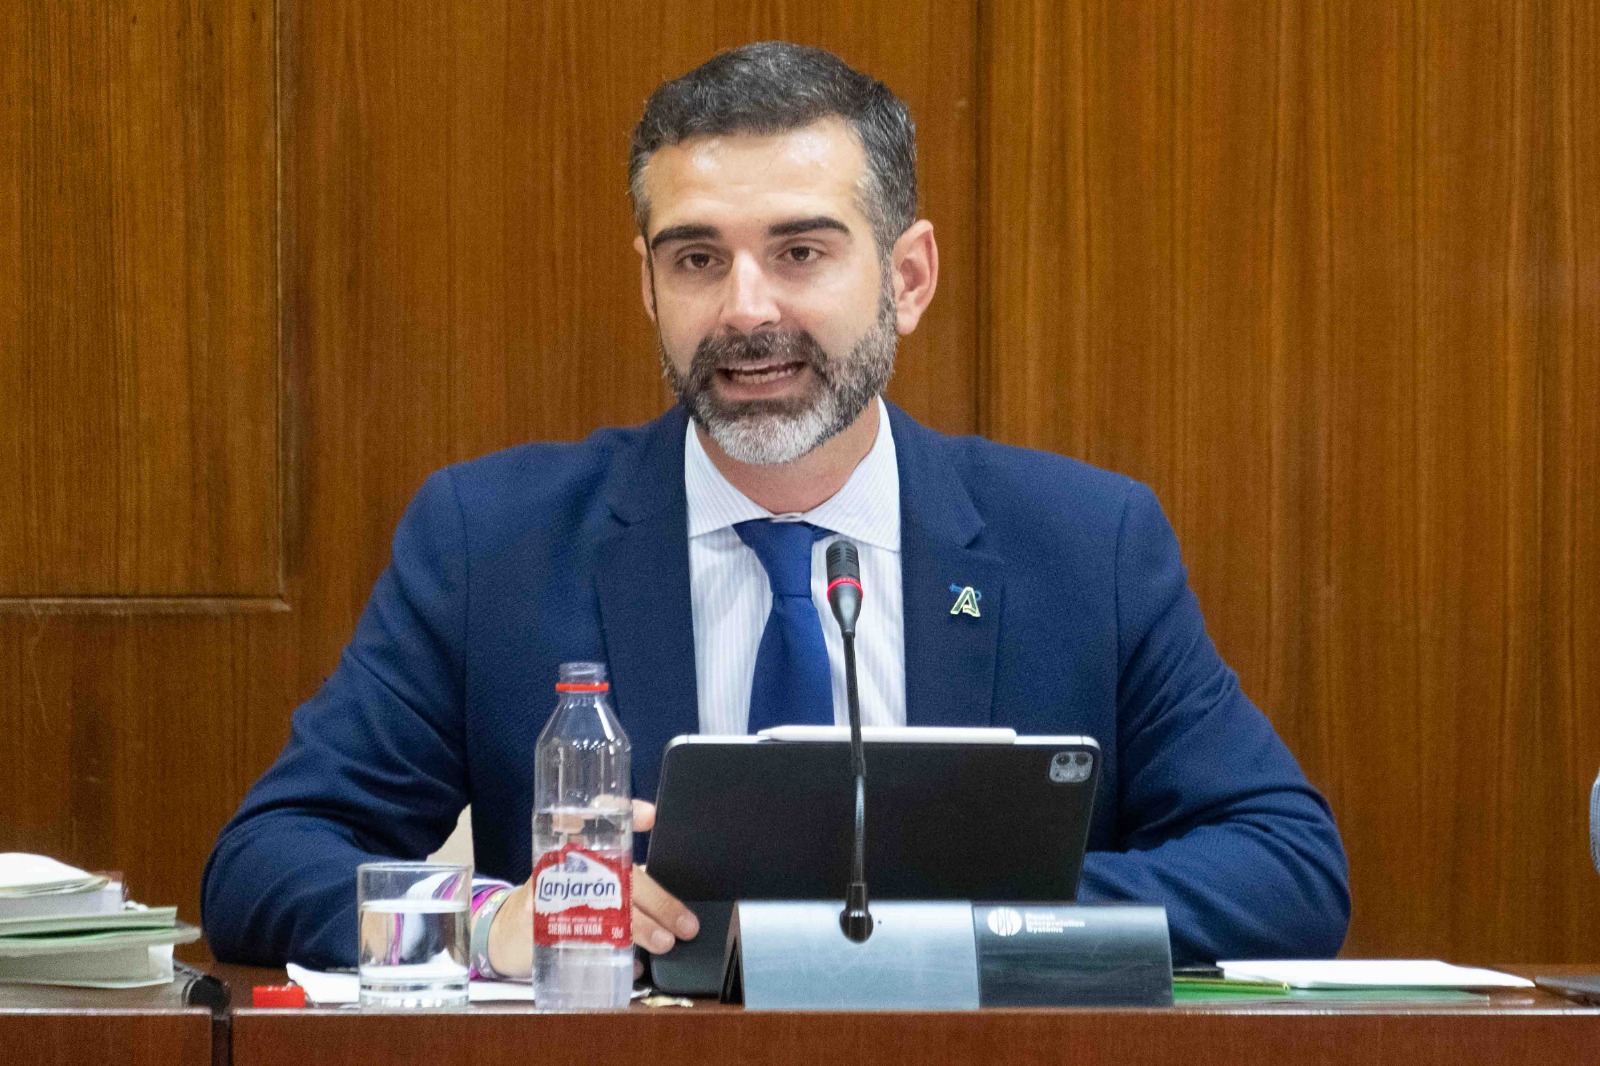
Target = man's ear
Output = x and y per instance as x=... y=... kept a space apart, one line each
x=647 y=281
x=914 y=263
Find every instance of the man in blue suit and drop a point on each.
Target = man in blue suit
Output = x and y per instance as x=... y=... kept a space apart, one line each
x=781 y=257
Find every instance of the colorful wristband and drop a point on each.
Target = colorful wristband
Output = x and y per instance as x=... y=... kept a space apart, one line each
x=484 y=909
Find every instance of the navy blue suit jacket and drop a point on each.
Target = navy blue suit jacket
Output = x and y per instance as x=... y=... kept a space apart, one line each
x=507 y=565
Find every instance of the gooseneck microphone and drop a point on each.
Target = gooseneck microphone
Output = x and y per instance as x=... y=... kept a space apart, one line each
x=1119 y=956
x=844 y=596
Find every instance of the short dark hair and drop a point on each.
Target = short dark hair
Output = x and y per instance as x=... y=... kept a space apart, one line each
x=773 y=87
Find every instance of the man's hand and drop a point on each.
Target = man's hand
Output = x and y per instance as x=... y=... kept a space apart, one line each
x=659 y=920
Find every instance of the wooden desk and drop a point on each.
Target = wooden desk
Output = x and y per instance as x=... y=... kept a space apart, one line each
x=44 y=1026
x=1514 y=1027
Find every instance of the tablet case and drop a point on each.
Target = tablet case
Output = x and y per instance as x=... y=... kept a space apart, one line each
x=757 y=819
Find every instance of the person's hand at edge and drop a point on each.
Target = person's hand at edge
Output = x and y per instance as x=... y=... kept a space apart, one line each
x=659 y=919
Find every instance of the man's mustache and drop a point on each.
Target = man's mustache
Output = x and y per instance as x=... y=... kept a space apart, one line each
x=732 y=349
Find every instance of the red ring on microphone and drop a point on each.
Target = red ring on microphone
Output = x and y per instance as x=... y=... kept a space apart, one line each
x=846 y=581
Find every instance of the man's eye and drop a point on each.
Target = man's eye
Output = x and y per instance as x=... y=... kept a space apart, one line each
x=697 y=260
x=802 y=254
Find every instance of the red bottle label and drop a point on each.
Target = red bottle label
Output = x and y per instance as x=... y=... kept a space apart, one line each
x=583 y=896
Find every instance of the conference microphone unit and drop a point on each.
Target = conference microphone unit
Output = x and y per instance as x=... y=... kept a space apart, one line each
x=933 y=954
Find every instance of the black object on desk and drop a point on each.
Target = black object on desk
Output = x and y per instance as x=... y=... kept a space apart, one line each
x=1584 y=988
x=200 y=989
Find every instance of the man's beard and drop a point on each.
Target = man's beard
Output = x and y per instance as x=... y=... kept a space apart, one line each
x=767 y=432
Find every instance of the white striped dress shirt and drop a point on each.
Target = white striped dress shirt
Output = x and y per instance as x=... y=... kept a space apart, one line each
x=732 y=596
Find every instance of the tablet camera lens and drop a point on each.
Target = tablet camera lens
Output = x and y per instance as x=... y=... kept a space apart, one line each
x=1070 y=767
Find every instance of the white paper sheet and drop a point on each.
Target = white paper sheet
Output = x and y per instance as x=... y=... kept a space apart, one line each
x=336 y=988
x=25 y=874
x=1370 y=973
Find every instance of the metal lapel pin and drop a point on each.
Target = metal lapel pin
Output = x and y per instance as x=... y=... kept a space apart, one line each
x=967 y=599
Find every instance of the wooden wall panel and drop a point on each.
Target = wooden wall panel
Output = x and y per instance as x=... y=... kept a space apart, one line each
x=1324 y=276
x=131 y=737
x=1477 y=456
x=1078 y=235
x=1570 y=431
x=1369 y=675
x=138 y=351
x=140 y=522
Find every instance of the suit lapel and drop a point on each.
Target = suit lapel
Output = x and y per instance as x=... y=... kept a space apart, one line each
x=646 y=613
x=950 y=655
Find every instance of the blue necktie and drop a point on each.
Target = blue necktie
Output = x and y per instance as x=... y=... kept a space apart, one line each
x=792 y=684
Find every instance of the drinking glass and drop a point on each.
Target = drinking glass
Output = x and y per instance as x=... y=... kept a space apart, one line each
x=413 y=925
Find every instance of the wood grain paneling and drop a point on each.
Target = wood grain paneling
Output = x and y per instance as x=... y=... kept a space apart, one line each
x=134 y=1038
x=130 y=738
x=1535 y=1030
x=1078 y=234
x=1324 y=275
x=138 y=355
x=1570 y=474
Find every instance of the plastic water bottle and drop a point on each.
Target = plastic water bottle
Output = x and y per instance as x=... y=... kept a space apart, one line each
x=583 y=849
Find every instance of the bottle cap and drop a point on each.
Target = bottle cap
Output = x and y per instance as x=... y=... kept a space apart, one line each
x=582 y=677
x=277 y=996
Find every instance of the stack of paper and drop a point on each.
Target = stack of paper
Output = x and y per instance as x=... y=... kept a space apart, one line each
x=64 y=926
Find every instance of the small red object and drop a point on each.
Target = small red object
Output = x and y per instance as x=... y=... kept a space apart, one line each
x=277 y=996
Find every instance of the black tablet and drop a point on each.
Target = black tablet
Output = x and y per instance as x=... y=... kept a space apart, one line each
x=979 y=814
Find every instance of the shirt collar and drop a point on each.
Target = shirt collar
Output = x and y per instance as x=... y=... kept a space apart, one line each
x=866 y=509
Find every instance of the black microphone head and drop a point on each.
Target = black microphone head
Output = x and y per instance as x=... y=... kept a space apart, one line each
x=844 y=584
x=843 y=561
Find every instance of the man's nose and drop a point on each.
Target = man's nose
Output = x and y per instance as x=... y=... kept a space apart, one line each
x=749 y=301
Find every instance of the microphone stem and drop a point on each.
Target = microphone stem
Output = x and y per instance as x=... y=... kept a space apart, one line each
x=858 y=762
x=844 y=596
